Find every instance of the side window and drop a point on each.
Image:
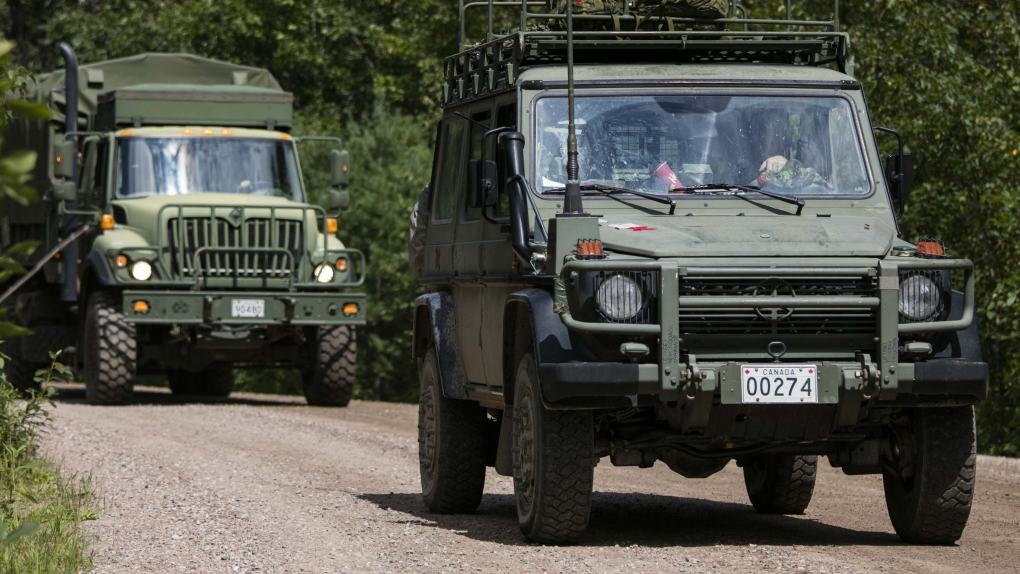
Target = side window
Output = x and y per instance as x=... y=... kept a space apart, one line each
x=506 y=115
x=477 y=131
x=452 y=173
x=97 y=195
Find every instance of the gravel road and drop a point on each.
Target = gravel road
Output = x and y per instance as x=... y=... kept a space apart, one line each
x=266 y=484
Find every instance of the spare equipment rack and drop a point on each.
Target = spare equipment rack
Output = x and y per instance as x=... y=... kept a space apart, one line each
x=495 y=64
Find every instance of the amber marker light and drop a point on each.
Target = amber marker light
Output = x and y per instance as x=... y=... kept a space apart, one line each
x=106 y=223
x=331 y=225
x=284 y=137
x=351 y=309
x=122 y=261
x=141 y=307
x=207 y=132
x=930 y=248
x=126 y=132
x=341 y=264
x=228 y=132
x=187 y=131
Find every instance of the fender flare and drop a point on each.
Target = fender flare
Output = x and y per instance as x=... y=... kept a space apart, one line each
x=543 y=328
x=965 y=344
x=435 y=320
x=97 y=265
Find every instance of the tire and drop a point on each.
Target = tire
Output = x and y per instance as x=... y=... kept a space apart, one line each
x=782 y=483
x=452 y=446
x=331 y=384
x=932 y=506
x=214 y=382
x=553 y=462
x=110 y=349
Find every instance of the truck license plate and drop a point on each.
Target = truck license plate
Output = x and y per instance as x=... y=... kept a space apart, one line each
x=248 y=308
x=782 y=384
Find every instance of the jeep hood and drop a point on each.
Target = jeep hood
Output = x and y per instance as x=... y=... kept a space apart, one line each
x=739 y=236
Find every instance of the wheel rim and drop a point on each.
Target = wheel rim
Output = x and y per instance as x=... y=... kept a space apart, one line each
x=428 y=439
x=524 y=445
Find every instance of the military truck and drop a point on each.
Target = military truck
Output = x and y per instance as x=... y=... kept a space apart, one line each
x=677 y=241
x=176 y=235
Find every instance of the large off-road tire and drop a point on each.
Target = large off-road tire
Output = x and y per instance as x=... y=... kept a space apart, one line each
x=932 y=505
x=553 y=462
x=110 y=349
x=781 y=483
x=214 y=382
x=331 y=383
x=452 y=445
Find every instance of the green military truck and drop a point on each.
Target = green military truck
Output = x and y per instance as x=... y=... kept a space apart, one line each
x=176 y=234
x=677 y=241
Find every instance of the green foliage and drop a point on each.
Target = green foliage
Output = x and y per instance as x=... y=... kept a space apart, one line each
x=40 y=511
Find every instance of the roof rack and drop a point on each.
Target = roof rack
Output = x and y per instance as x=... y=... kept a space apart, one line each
x=494 y=65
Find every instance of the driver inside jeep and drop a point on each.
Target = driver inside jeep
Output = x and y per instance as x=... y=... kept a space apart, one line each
x=777 y=170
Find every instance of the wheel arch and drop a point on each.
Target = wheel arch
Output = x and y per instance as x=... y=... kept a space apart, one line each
x=435 y=322
x=530 y=322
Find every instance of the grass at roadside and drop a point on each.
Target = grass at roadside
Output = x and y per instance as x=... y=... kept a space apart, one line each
x=41 y=511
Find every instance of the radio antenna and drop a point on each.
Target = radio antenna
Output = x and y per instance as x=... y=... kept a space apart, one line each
x=572 y=190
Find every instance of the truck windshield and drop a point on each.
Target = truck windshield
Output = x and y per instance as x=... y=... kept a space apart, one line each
x=791 y=145
x=180 y=166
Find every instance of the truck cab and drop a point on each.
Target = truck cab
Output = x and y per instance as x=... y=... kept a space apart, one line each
x=196 y=248
x=719 y=275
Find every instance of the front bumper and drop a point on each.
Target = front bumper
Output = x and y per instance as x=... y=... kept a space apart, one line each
x=215 y=308
x=875 y=372
x=965 y=380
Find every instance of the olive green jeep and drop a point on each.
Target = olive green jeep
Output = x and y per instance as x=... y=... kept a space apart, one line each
x=681 y=245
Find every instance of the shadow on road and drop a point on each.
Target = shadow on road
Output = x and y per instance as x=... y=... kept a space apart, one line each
x=75 y=394
x=646 y=520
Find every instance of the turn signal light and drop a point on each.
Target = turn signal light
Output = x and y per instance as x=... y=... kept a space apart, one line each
x=141 y=307
x=930 y=247
x=341 y=264
x=351 y=309
x=590 y=249
x=331 y=226
x=122 y=261
x=106 y=223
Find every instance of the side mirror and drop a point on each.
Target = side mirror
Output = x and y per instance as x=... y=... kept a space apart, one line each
x=899 y=172
x=339 y=168
x=65 y=191
x=482 y=189
x=339 y=200
x=64 y=156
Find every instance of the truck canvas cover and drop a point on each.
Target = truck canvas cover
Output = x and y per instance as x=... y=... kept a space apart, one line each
x=175 y=104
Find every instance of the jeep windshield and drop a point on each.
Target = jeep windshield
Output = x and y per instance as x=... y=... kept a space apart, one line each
x=659 y=144
x=149 y=166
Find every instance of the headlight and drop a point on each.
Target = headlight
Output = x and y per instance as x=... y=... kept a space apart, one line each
x=919 y=298
x=141 y=271
x=619 y=298
x=324 y=273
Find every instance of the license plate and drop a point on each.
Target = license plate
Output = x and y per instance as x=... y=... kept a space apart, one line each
x=248 y=308
x=779 y=384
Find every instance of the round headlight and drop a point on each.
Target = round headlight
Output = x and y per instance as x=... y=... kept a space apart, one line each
x=919 y=298
x=141 y=270
x=324 y=273
x=619 y=298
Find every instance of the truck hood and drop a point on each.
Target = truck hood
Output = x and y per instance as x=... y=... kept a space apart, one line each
x=738 y=236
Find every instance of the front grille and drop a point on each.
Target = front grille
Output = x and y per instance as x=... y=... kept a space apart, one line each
x=188 y=235
x=748 y=321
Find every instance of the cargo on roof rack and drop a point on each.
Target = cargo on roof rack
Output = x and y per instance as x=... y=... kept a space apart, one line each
x=494 y=64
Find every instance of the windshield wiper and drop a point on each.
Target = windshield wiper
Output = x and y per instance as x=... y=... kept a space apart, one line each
x=739 y=190
x=610 y=190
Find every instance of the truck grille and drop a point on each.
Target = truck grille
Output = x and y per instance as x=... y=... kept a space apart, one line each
x=188 y=235
x=748 y=321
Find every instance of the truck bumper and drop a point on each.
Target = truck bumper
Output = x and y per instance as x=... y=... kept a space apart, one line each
x=216 y=308
x=950 y=377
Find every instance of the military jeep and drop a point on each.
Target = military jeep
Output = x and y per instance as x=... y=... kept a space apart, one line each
x=681 y=245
